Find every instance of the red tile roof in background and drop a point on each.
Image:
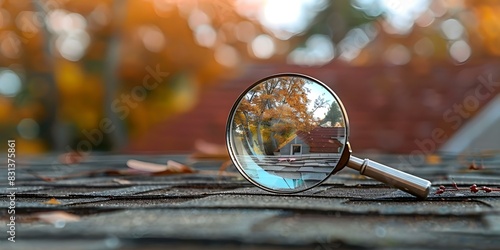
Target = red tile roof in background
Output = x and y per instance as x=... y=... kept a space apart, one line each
x=391 y=108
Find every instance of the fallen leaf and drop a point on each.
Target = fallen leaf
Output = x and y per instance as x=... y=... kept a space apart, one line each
x=122 y=172
x=99 y=172
x=56 y=217
x=146 y=166
x=209 y=150
x=433 y=159
x=122 y=181
x=72 y=157
x=172 y=167
x=136 y=168
x=224 y=166
x=474 y=166
x=177 y=167
x=52 y=201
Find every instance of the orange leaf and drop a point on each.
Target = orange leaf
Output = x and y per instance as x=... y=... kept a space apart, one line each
x=52 y=201
x=177 y=167
x=433 y=159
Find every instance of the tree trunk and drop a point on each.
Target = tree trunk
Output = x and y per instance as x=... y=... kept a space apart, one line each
x=55 y=132
x=112 y=59
x=259 y=137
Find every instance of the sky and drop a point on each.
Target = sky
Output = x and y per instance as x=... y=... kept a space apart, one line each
x=318 y=90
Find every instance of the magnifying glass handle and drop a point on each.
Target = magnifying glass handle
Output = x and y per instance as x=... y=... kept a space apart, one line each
x=406 y=182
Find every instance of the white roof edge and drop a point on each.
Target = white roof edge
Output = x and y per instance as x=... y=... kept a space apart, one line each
x=473 y=128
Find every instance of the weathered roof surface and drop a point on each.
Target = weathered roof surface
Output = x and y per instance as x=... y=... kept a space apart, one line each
x=391 y=109
x=206 y=211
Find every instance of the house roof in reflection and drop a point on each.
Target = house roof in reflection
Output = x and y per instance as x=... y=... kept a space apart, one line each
x=323 y=140
x=319 y=139
x=391 y=109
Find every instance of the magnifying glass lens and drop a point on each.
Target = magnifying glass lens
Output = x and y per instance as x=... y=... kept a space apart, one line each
x=287 y=133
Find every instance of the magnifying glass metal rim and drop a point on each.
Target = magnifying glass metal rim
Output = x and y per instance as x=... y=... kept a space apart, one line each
x=345 y=154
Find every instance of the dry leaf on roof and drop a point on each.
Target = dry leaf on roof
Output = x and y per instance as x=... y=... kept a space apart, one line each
x=433 y=159
x=209 y=150
x=122 y=181
x=54 y=217
x=474 y=166
x=172 y=167
x=52 y=201
x=135 y=168
x=212 y=151
x=72 y=157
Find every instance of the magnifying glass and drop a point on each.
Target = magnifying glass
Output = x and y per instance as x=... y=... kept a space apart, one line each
x=289 y=132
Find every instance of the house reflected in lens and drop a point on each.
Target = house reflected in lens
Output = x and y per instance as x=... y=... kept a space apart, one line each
x=319 y=140
x=309 y=156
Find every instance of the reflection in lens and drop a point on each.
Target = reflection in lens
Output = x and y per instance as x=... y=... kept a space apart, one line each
x=287 y=133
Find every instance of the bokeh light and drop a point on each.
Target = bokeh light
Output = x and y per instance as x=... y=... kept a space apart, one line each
x=424 y=47
x=10 y=45
x=319 y=50
x=205 y=35
x=28 y=128
x=397 y=54
x=355 y=40
x=460 y=51
x=400 y=15
x=263 y=46
x=10 y=83
x=69 y=28
x=283 y=18
x=452 y=29
x=227 y=56
x=152 y=38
